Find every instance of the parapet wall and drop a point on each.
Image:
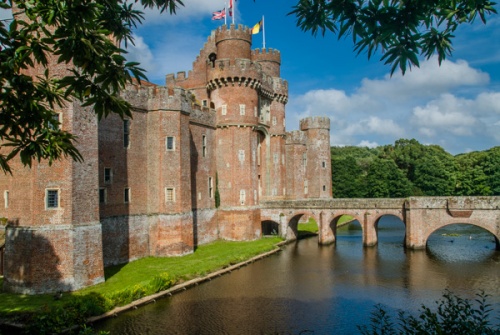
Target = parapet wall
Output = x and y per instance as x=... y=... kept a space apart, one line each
x=296 y=137
x=153 y=97
x=315 y=122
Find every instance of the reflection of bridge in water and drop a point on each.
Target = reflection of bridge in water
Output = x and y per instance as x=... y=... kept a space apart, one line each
x=421 y=216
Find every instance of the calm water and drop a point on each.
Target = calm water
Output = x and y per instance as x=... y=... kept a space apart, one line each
x=311 y=289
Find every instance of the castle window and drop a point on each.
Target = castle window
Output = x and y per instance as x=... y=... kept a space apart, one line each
x=169 y=194
x=276 y=158
x=241 y=155
x=126 y=195
x=242 y=197
x=242 y=109
x=274 y=120
x=126 y=133
x=323 y=164
x=204 y=145
x=51 y=198
x=108 y=175
x=204 y=103
x=304 y=159
x=102 y=195
x=6 y=199
x=170 y=143
x=210 y=187
x=255 y=111
x=224 y=109
x=306 y=187
x=55 y=123
x=324 y=188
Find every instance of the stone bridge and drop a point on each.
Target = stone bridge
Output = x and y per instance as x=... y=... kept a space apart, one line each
x=421 y=216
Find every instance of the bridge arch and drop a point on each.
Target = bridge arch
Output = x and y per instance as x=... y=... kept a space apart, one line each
x=480 y=225
x=270 y=227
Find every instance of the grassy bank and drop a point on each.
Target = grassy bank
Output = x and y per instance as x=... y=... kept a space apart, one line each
x=128 y=282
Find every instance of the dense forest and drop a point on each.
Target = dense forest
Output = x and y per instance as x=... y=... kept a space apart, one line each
x=409 y=168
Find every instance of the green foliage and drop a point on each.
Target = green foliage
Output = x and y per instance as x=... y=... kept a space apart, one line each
x=453 y=316
x=83 y=36
x=409 y=168
x=399 y=30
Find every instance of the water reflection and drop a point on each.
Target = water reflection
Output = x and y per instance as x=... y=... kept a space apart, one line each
x=324 y=289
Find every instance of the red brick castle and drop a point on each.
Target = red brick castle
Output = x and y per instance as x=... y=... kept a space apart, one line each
x=190 y=167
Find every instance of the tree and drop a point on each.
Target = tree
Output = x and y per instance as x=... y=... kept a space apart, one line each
x=400 y=29
x=85 y=36
x=385 y=180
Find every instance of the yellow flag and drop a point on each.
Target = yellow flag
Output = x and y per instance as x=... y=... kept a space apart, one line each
x=256 y=28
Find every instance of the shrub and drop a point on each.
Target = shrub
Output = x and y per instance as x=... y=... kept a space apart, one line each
x=453 y=316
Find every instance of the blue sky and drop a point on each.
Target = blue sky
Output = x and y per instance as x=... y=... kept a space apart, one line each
x=456 y=106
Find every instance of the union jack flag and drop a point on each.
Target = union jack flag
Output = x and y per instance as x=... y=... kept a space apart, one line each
x=219 y=15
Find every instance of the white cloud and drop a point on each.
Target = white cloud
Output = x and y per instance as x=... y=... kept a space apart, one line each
x=427 y=81
x=433 y=104
x=368 y=144
x=192 y=10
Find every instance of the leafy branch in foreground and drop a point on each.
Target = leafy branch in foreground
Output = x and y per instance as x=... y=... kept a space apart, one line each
x=402 y=30
x=454 y=316
x=78 y=44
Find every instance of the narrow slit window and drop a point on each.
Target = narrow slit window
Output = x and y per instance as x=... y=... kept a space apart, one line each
x=108 y=176
x=210 y=187
x=6 y=199
x=102 y=195
x=126 y=133
x=126 y=195
x=204 y=145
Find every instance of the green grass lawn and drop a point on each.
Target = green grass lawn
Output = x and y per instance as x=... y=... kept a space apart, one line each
x=140 y=273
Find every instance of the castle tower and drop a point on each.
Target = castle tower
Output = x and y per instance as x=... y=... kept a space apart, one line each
x=53 y=237
x=273 y=97
x=233 y=84
x=318 y=173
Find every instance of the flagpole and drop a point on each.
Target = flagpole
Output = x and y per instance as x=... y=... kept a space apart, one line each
x=234 y=9
x=263 y=33
x=225 y=14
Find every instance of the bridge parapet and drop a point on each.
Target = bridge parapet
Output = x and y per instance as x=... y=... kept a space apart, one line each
x=375 y=203
x=457 y=203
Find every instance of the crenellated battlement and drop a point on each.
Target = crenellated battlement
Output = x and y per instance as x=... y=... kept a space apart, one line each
x=266 y=55
x=240 y=33
x=315 y=122
x=152 y=97
x=296 y=137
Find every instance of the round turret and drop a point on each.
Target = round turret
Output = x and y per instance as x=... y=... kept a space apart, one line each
x=315 y=122
x=234 y=42
x=269 y=59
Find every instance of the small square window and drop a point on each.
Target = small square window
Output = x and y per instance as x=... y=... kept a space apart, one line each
x=323 y=164
x=52 y=199
x=242 y=109
x=102 y=195
x=170 y=143
x=169 y=194
x=126 y=195
x=55 y=122
x=108 y=175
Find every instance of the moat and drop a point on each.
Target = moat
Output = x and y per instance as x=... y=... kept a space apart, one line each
x=311 y=289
